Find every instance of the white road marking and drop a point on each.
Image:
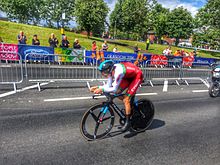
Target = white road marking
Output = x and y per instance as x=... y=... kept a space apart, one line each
x=199 y=91
x=165 y=87
x=90 y=97
x=73 y=98
x=145 y=94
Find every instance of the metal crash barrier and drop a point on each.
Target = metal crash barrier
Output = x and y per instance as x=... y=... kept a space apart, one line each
x=11 y=70
x=177 y=71
x=41 y=68
x=50 y=68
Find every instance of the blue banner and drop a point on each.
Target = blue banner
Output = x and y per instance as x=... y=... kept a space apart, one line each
x=36 y=52
x=204 y=61
x=99 y=56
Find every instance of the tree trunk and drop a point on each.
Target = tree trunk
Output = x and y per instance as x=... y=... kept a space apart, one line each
x=58 y=24
x=177 y=41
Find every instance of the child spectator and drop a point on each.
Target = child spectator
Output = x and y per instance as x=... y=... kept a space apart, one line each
x=35 y=40
x=76 y=44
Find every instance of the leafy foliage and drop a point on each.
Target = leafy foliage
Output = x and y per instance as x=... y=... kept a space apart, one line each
x=180 y=24
x=160 y=20
x=91 y=15
x=24 y=10
x=52 y=11
x=132 y=16
x=208 y=25
x=209 y=15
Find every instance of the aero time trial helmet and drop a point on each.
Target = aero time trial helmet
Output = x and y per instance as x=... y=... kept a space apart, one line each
x=106 y=66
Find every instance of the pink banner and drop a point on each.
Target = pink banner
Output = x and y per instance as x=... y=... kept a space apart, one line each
x=9 y=52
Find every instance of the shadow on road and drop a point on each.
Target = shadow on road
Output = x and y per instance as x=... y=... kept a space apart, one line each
x=156 y=123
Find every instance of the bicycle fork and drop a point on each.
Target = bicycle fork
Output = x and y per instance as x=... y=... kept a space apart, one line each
x=102 y=114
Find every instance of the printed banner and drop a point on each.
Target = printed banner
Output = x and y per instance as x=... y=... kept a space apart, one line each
x=69 y=55
x=204 y=61
x=40 y=53
x=9 y=52
x=159 y=60
x=99 y=56
x=188 y=60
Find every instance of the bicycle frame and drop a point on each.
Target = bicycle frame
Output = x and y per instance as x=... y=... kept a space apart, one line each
x=115 y=108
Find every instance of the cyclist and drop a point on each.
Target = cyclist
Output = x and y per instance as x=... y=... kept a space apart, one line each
x=121 y=76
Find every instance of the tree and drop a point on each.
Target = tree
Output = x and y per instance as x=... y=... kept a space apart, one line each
x=160 y=15
x=180 y=24
x=132 y=16
x=91 y=14
x=24 y=11
x=52 y=11
x=208 y=25
x=209 y=15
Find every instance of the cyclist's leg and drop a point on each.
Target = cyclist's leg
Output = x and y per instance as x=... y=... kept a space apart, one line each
x=132 y=88
x=122 y=87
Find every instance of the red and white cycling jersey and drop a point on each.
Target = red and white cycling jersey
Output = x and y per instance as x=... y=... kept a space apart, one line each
x=126 y=75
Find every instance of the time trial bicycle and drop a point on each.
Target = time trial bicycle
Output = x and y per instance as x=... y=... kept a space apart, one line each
x=98 y=120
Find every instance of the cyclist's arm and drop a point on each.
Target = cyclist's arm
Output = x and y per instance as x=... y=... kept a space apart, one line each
x=113 y=86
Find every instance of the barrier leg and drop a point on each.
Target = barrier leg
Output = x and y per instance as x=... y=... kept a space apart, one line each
x=15 y=87
x=38 y=86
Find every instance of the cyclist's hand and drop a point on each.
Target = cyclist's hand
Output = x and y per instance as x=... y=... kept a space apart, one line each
x=98 y=91
x=92 y=89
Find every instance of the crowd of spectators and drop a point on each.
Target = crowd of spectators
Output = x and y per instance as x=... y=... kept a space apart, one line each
x=179 y=53
x=53 y=42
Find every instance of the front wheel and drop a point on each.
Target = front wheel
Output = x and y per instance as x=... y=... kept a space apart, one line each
x=97 y=122
x=143 y=116
x=214 y=90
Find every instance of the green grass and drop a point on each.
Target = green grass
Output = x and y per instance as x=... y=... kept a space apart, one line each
x=10 y=30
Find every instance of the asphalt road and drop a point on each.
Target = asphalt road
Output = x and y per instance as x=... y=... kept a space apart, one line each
x=43 y=128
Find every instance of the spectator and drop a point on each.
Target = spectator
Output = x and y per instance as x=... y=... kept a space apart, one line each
x=35 y=40
x=182 y=52
x=115 y=49
x=65 y=43
x=94 y=46
x=194 y=52
x=76 y=44
x=187 y=53
x=147 y=43
x=177 y=53
x=1 y=41
x=136 y=49
x=21 y=38
x=105 y=46
x=53 y=41
x=167 y=51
